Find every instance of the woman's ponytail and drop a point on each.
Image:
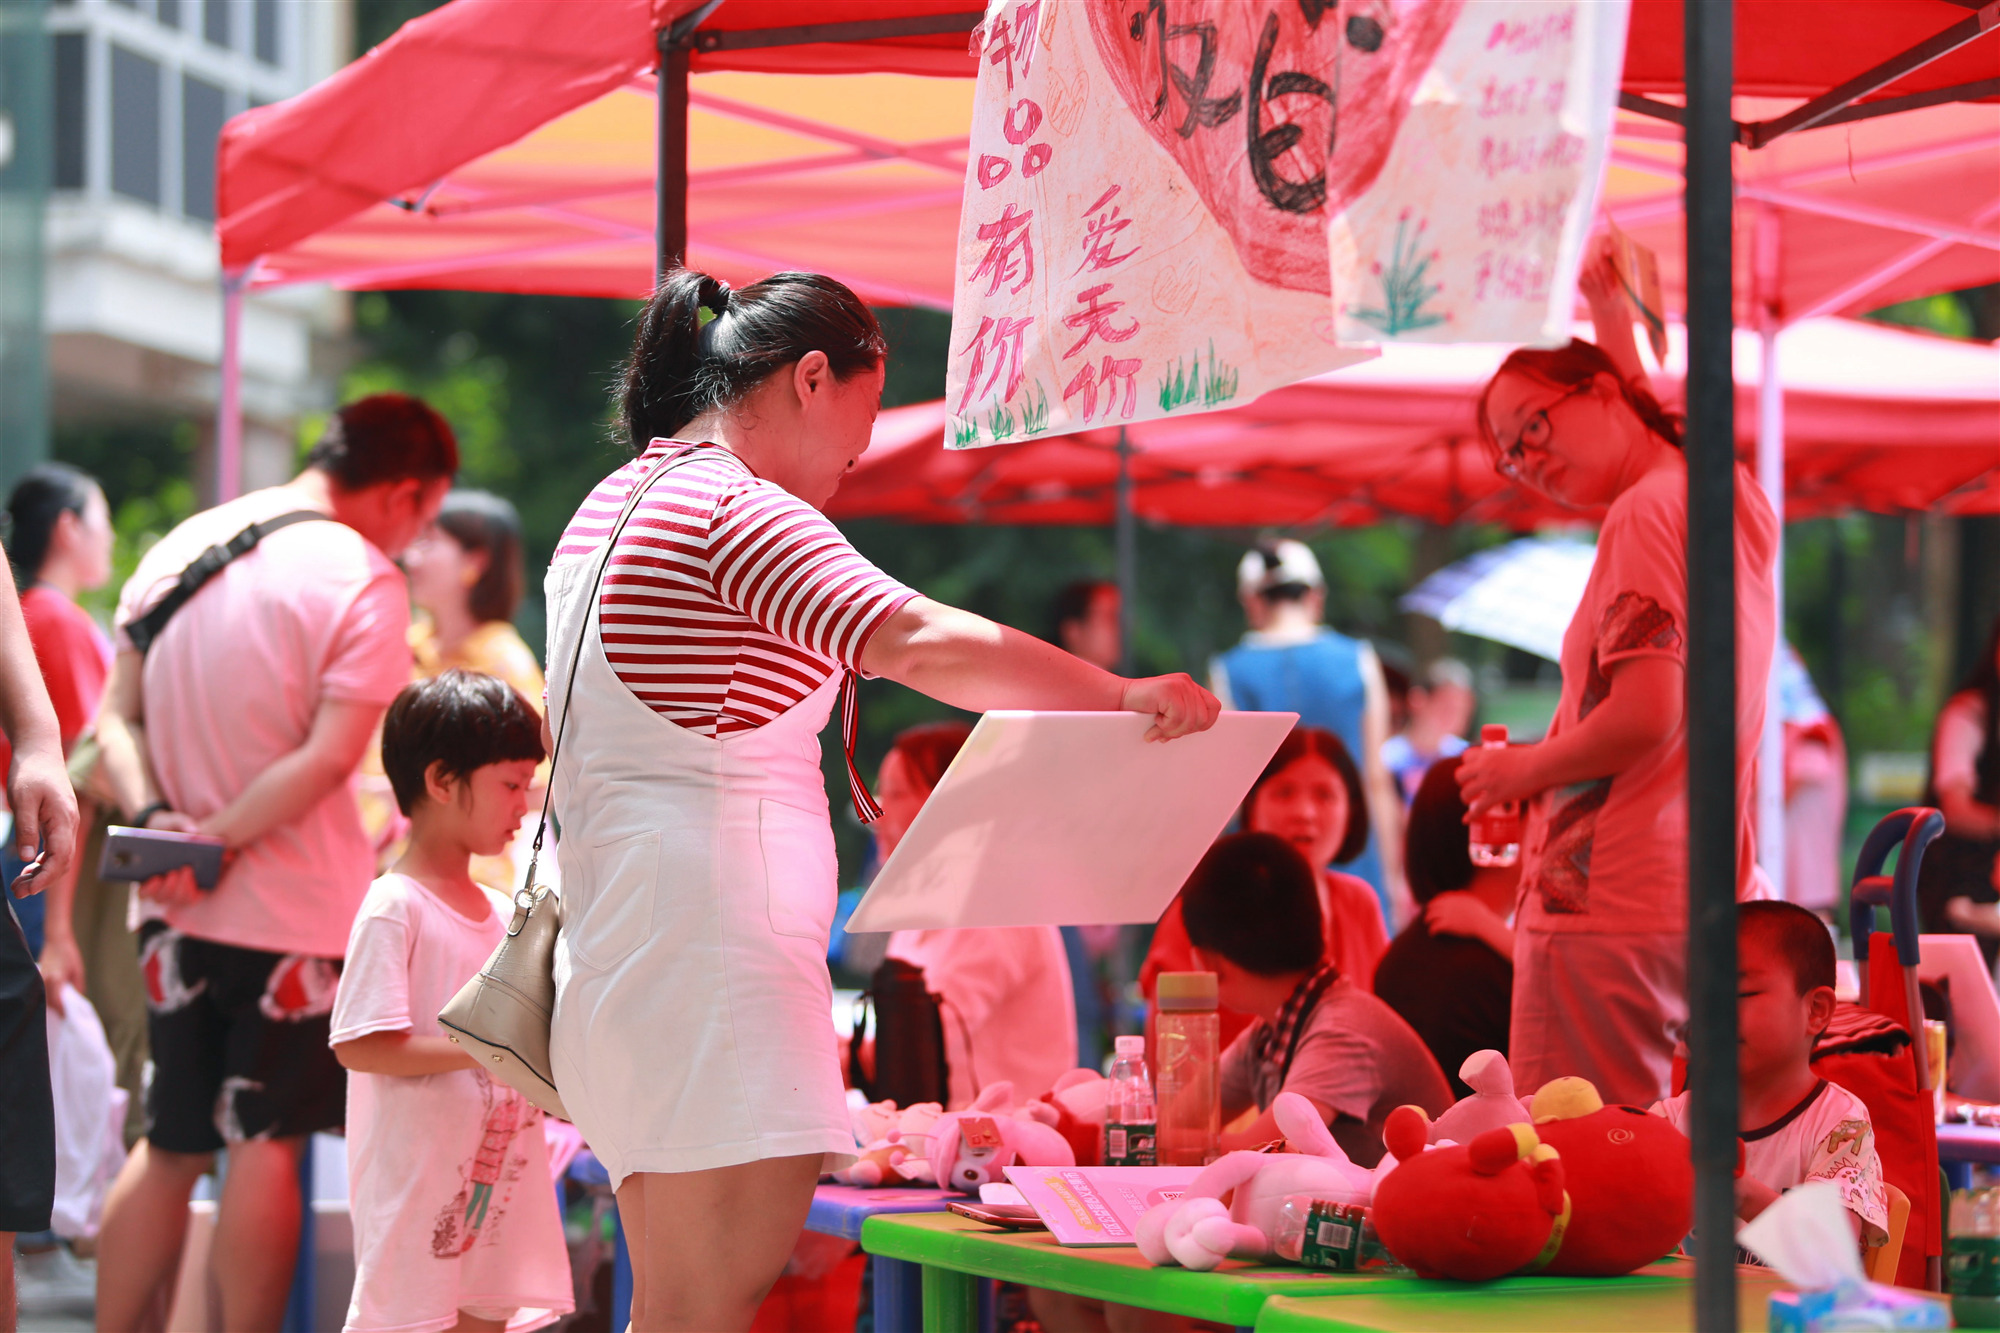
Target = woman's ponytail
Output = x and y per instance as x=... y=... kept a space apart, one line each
x=701 y=345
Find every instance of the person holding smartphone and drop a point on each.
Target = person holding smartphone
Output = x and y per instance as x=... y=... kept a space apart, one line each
x=243 y=716
x=45 y=821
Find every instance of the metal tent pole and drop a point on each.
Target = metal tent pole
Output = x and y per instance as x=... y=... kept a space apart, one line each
x=671 y=145
x=1771 y=849
x=229 y=398
x=1711 y=661
x=1127 y=540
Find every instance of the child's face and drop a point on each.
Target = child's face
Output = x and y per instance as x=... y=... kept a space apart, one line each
x=1229 y=979
x=1775 y=1025
x=901 y=795
x=485 y=808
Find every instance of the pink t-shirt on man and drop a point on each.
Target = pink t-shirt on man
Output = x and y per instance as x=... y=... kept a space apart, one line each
x=231 y=686
x=1610 y=856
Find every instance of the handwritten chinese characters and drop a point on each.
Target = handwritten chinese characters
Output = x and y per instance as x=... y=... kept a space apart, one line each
x=1164 y=197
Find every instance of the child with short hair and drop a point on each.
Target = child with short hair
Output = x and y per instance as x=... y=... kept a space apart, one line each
x=455 y=1219
x=1795 y=1125
x=1253 y=916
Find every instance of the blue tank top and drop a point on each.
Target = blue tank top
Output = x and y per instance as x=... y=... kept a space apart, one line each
x=1320 y=680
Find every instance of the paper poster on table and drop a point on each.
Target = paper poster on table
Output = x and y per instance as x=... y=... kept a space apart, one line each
x=1144 y=226
x=1472 y=225
x=1098 y=1205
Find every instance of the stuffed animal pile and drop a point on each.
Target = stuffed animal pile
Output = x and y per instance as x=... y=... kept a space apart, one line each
x=1199 y=1230
x=962 y=1150
x=1565 y=1185
x=1473 y=1211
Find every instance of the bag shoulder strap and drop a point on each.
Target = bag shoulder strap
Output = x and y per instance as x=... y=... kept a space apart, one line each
x=1317 y=994
x=143 y=630
x=561 y=724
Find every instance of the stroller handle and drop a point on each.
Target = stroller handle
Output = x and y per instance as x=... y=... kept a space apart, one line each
x=1914 y=829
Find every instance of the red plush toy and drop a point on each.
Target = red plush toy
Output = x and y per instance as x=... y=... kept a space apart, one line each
x=1630 y=1180
x=1473 y=1211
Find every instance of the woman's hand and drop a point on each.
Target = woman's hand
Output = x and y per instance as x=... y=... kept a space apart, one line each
x=62 y=965
x=1487 y=778
x=1179 y=706
x=1598 y=280
x=45 y=819
x=1462 y=913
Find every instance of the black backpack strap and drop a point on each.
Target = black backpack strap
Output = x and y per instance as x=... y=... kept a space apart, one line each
x=145 y=629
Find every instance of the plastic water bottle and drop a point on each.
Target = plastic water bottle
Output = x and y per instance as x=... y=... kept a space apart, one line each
x=1131 y=1120
x=1496 y=835
x=1190 y=1047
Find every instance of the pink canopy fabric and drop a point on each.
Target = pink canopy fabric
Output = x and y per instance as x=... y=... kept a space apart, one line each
x=1876 y=418
x=508 y=145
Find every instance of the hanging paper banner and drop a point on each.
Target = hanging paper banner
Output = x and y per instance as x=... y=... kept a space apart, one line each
x=1474 y=228
x=1140 y=238
x=1151 y=184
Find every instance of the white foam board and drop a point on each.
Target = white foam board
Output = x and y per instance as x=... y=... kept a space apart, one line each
x=1067 y=819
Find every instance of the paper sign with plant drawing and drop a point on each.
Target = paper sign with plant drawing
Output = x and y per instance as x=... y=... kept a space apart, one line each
x=1474 y=227
x=1144 y=227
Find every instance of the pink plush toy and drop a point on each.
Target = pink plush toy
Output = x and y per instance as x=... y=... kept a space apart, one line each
x=1492 y=1104
x=1199 y=1231
x=974 y=1147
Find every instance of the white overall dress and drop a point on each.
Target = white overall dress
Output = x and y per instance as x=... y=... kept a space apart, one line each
x=692 y=1023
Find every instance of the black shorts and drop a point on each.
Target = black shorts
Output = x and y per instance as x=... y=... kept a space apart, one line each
x=27 y=1107
x=239 y=1042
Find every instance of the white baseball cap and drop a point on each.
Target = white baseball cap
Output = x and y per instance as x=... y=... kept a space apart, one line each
x=1275 y=564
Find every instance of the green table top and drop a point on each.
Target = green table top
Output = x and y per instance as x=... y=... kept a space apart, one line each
x=1666 y=1307
x=1233 y=1294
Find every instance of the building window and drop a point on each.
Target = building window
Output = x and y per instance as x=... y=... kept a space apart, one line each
x=215 y=21
x=169 y=13
x=135 y=126
x=129 y=4
x=69 y=106
x=267 y=43
x=201 y=122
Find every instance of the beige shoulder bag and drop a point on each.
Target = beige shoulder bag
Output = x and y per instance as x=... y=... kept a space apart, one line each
x=502 y=1015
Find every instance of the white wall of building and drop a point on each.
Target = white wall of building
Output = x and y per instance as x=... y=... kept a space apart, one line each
x=134 y=307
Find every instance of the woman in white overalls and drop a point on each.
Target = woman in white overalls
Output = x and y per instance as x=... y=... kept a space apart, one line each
x=691 y=1035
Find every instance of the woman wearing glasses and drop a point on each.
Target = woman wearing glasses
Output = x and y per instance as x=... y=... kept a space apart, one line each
x=1603 y=918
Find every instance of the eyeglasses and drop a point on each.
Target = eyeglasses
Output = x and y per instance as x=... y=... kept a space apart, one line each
x=1535 y=434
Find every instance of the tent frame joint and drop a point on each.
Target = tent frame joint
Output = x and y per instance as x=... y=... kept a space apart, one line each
x=1838 y=106
x=679 y=35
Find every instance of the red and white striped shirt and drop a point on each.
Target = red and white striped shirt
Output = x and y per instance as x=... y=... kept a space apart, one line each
x=727 y=599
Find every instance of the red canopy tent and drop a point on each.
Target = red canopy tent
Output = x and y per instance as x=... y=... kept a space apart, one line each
x=541 y=173
x=1877 y=418
x=452 y=157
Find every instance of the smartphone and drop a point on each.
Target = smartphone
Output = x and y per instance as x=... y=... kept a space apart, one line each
x=141 y=853
x=24 y=883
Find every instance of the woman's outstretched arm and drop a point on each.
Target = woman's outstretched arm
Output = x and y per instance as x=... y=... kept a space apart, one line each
x=970 y=662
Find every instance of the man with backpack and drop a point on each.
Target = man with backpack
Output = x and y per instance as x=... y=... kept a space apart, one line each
x=258 y=644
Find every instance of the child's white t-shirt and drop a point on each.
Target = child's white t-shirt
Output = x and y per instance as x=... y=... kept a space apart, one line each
x=1828 y=1136
x=448 y=1174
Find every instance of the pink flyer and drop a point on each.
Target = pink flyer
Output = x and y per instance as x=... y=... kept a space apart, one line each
x=1098 y=1205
